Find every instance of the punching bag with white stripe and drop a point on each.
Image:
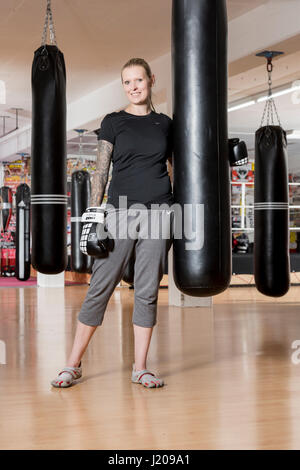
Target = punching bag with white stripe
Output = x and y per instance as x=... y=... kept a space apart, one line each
x=201 y=178
x=271 y=212
x=23 y=232
x=48 y=176
x=80 y=195
x=6 y=204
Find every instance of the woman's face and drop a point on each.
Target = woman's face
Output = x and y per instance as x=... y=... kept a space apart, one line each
x=137 y=85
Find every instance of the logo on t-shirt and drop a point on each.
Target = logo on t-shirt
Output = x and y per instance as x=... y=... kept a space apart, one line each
x=157 y=123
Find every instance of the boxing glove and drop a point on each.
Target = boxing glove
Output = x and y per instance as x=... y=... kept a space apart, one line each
x=238 y=154
x=94 y=239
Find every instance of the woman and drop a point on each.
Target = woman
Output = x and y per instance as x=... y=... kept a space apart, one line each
x=139 y=142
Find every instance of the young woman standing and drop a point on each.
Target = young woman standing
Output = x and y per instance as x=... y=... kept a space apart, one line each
x=139 y=142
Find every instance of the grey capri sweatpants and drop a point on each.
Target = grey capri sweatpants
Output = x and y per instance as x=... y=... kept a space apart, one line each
x=150 y=233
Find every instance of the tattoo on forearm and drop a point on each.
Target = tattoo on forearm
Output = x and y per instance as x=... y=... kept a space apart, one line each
x=100 y=176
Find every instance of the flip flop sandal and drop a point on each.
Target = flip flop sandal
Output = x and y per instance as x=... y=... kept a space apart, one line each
x=146 y=378
x=66 y=377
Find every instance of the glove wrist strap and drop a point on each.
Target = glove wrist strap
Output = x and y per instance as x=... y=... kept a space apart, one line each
x=93 y=216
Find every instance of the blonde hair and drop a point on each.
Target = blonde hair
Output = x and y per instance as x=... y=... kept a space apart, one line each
x=142 y=63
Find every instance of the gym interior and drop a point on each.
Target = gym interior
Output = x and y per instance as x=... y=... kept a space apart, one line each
x=228 y=353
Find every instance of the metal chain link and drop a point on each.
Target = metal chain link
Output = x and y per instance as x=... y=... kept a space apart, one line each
x=270 y=106
x=276 y=112
x=49 y=18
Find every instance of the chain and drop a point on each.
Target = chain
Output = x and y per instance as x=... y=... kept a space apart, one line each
x=270 y=106
x=49 y=18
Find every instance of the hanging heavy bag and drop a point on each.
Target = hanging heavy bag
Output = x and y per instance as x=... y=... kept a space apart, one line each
x=6 y=198
x=23 y=232
x=48 y=174
x=80 y=195
x=271 y=214
x=201 y=166
x=271 y=200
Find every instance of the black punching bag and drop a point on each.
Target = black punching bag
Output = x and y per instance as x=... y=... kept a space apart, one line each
x=23 y=232
x=271 y=212
x=48 y=173
x=80 y=195
x=6 y=197
x=201 y=167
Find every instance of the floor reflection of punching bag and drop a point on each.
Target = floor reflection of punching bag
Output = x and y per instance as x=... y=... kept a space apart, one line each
x=201 y=167
x=6 y=198
x=23 y=232
x=271 y=214
x=49 y=177
x=80 y=195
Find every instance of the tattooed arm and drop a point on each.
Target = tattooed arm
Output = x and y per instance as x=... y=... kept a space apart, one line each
x=100 y=176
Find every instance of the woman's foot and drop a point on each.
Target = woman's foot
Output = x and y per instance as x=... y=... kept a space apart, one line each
x=146 y=378
x=67 y=376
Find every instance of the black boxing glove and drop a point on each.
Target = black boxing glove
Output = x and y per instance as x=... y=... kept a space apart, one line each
x=94 y=239
x=238 y=154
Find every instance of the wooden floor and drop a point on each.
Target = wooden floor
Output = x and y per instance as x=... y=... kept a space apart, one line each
x=230 y=379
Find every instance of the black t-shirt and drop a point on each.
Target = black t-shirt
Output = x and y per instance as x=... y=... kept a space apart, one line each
x=142 y=145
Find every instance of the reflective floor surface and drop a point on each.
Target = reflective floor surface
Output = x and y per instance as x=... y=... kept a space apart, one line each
x=232 y=378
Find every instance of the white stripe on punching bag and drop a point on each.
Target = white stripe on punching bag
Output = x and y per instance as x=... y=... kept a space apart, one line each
x=21 y=242
x=271 y=205
x=49 y=199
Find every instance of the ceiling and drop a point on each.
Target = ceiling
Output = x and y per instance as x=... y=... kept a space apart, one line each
x=98 y=36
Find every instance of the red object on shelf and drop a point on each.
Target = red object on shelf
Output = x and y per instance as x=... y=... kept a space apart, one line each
x=8 y=256
x=244 y=173
x=4 y=261
x=12 y=259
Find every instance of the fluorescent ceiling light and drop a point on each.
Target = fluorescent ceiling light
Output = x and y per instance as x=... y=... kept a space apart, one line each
x=2 y=92
x=243 y=105
x=280 y=93
x=294 y=87
x=295 y=134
